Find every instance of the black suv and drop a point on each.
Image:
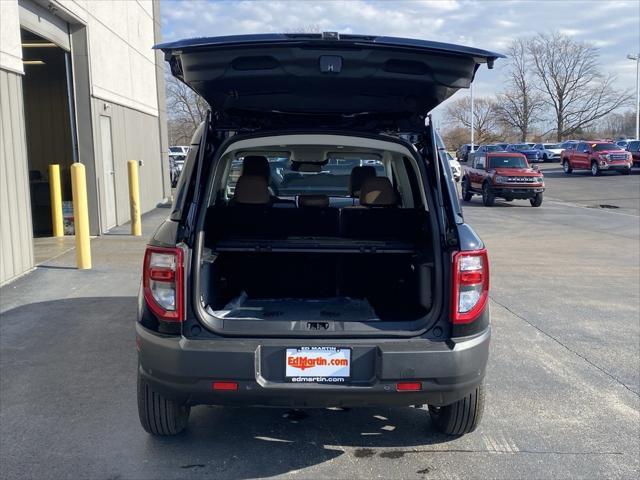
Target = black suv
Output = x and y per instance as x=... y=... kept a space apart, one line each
x=316 y=254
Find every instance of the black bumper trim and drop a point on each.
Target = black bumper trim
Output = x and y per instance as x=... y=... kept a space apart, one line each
x=183 y=369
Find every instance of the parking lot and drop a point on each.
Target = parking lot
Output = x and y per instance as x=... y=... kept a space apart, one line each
x=563 y=379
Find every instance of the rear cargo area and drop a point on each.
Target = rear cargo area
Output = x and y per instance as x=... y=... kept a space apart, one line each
x=323 y=235
x=318 y=286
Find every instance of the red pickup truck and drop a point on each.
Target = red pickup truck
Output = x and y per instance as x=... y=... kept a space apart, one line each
x=502 y=174
x=597 y=157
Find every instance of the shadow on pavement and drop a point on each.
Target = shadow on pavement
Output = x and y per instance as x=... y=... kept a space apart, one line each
x=262 y=442
x=477 y=203
x=68 y=366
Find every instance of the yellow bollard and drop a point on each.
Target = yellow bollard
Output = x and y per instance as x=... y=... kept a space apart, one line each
x=81 y=216
x=56 y=200
x=134 y=198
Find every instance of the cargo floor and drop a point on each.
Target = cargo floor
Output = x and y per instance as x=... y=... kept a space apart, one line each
x=295 y=309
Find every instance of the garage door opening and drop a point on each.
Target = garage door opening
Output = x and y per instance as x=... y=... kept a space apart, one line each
x=49 y=134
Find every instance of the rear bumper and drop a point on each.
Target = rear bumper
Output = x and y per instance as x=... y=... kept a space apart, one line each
x=184 y=369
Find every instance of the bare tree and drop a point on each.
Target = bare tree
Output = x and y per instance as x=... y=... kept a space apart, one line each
x=185 y=111
x=568 y=74
x=459 y=113
x=520 y=104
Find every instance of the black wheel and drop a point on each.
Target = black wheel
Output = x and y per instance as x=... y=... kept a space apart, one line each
x=545 y=159
x=566 y=167
x=595 y=171
x=488 y=198
x=460 y=417
x=626 y=171
x=159 y=415
x=466 y=194
x=537 y=200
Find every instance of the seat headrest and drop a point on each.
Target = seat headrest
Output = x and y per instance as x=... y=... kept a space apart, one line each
x=252 y=190
x=358 y=174
x=378 y=192
x=256 y=165
x=313 y=201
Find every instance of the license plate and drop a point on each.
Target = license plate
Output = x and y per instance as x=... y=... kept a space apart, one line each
x=318 y=364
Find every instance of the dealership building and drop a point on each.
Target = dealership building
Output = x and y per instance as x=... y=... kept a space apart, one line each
x=79 y=82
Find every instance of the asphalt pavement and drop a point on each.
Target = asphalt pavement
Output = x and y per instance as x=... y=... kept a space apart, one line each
x=563 y=381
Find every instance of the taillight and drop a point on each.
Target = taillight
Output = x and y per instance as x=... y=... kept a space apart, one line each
x=470 y=291
x=162 y=282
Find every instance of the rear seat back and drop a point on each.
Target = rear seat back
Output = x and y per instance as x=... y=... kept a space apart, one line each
x=252 y=215
x=382 y=223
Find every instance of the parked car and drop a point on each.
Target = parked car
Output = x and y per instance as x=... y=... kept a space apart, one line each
x=178 y=150
x=456 y=168
x=633 y=147
x=504 y=175
x=569 y=145
x=257 y=298
x=463 y=152
x=503 y=146
x=549 y=152
x=482 y=151
x=176 y=163
x=527 y=150
x=597 y=157
x=622 y=143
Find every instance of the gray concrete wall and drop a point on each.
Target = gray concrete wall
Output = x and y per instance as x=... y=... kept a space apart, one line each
x=16 y=244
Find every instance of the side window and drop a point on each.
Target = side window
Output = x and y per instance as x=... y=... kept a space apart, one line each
x=480 y=163
x=582 y=148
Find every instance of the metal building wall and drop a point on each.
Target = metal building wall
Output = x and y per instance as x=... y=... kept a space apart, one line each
x=134 y=136
x=16 y=237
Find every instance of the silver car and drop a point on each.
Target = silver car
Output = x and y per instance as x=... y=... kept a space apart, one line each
x=549 y=152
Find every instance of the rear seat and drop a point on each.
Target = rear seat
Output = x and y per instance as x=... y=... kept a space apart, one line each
x=251 y=214
x=378 y=216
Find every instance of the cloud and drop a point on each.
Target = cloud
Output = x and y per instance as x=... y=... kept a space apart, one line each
x=612 y=26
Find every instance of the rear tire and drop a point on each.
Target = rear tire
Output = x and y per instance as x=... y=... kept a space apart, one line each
x=537 y=200
x=488 y=198
x=159 y=415
x=466 y=194
x=460 y=417
x=566 y=167
x=595 y=171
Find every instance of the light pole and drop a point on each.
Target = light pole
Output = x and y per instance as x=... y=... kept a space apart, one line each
x=636 y=57
x=472 y=127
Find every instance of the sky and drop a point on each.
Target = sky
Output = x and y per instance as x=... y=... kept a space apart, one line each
x=612 y=26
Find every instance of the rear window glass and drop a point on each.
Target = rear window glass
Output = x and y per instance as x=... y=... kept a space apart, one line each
x=289 y=179
x=507 y=162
